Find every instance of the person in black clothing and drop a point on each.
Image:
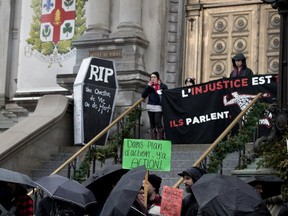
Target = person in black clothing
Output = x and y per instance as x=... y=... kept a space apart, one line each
x=153 y=195
x=153 y=91
x=240 y=67
x=49 y=207
x=190 y=206
x=6 y=197
x=45 y=207
x=284 y=210
x=138 y=208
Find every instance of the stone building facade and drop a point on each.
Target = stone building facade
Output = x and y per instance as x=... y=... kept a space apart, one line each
x=178 y=38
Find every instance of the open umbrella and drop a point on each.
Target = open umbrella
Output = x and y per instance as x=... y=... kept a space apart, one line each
x=124 y=193
x=102 y=181
x=227 y=195
x=15 y=177
x=65 y=189
x=271 y=184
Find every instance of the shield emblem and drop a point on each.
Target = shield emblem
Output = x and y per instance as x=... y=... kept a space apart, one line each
x=57 y=20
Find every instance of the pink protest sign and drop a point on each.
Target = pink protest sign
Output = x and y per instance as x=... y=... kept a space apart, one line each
x=171 y=201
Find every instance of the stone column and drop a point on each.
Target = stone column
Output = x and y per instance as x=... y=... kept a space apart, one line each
x=5 y=10
x=98 y=28
x=194 y=29
x=98 y=19
x=130 y=18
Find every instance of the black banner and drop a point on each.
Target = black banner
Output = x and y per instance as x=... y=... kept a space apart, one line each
x=199 y=114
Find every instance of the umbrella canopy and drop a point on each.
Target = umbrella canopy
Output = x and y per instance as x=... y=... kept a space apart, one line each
x=271 y=185
x=102 y=181
x=124 y=193
x=227 y=195
x=15 y=177
x=65 y=189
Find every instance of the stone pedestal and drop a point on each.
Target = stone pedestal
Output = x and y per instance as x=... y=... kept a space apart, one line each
x=252 y=170
x=128 y=55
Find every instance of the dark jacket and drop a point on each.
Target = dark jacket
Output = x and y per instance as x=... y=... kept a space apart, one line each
x=44 y=207
x=137 y=209
x=190 y=206
x=6 y=196
x=245 y=70
x=154 y=98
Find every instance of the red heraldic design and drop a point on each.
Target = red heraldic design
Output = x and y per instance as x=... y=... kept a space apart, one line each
x=57 y=20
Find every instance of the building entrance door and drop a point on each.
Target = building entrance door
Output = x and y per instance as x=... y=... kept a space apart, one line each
x=221 y=32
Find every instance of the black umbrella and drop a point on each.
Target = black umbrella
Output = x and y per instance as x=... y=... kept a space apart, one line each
x=65 y=189
x=102 y=181
x=227 y=195
x=15 y=177
x=124 y=193
x=271 y=185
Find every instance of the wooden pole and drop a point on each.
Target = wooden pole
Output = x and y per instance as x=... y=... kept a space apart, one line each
x=146 y=189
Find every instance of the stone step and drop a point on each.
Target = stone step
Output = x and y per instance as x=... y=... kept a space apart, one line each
x=56 y=160
x=38 y=173
x=182 y=157
x=47 y=167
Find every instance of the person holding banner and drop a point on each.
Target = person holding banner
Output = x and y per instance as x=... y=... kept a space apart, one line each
x=153 y=91
x=240 y=67
x=190 y=206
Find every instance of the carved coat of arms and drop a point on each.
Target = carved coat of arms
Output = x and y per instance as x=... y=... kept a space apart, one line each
x=55 y=24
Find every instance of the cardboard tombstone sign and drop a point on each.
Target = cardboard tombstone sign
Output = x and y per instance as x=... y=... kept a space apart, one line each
x=95 y=89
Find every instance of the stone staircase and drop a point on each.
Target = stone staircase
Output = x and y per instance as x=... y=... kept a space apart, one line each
x=56 y=160
x=183 y=156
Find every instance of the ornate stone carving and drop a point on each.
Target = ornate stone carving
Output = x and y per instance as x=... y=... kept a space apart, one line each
x=240 y=23
x=273 y=64
x=219 y=46
x=274 y=42
x=240 y=44
x=218 y=68
x=220 y=24
x=274 y=20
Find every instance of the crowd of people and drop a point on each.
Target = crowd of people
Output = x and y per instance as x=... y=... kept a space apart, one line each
x=189 y=203
x=15 y=201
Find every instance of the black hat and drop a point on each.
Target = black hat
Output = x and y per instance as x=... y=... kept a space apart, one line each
x=155 y=181
x=156 y=74
x=239 y=56
x=194 y=172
